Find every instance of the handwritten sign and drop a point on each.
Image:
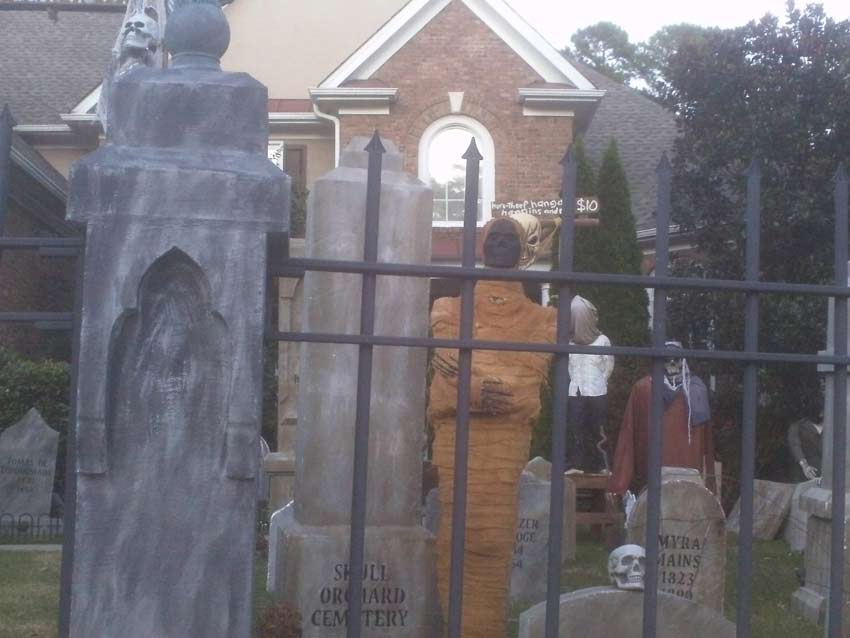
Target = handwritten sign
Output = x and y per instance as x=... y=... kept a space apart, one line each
x=586 y=207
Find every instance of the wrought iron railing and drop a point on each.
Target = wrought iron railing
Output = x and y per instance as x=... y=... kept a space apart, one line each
x=30 y=528
x=564 y=275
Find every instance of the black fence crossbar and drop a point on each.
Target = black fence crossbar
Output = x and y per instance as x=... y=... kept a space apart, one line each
x=295 y=267
x=564 y=278
x=555 y=348
x=37 y=243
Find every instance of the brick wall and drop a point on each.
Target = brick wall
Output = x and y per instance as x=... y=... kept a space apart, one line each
x=456 y=51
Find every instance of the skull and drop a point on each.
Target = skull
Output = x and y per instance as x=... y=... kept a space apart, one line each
x=627 y=567
x=140 y=34
x=530 y=241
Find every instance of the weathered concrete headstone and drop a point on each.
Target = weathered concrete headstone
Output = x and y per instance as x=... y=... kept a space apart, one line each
x=27 y=465
x=614 y=613
x=771 y=504
x=312 y=570
x=810 y=600
x=681 y=474
x=528 y=569
x=178 y=203
x=796 y=523
x=692 y=542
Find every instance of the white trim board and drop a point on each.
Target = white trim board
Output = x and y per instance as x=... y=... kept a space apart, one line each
x=523 y=39
x=89 y=103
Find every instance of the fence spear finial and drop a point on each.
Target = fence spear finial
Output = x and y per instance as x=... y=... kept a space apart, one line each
x=664 y=165
x=841 y=173
x=569 y=155
x=375 y=145
x=754 y=169
x=472 y=152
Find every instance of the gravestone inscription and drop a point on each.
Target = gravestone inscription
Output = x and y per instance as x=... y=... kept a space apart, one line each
x=27 y=465
x=692 y=542
x=528 y=569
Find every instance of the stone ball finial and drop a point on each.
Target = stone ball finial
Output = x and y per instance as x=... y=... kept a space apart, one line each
x=197 y=34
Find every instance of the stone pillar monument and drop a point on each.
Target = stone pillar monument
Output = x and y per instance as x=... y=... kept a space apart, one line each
x=810 y=600
x=177 y=204
x=310 y=538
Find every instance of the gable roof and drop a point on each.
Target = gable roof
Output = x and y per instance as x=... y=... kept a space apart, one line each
x=50 y=59
x=644 y=130
x=526 y=42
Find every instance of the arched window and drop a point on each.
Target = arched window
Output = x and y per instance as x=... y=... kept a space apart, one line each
x=441 y=165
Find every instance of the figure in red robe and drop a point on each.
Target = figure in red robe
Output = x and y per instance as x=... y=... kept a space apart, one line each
x=687 y=439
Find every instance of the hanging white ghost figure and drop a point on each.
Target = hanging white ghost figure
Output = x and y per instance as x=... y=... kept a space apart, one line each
x=627 y=567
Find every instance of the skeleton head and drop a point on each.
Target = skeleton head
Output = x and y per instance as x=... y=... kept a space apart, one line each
x=674 y=367
x=140 y=35
x=627 y=567
x=532 y=236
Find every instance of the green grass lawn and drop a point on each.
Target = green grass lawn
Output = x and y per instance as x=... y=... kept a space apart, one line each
x=29 y=589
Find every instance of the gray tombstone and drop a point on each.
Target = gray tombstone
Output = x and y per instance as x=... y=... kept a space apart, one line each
x=27 y=465
x=311 y=570
x=178 y=204
x=692 y=542
x=810 y=600
x=614 y=613
x=771 y=504
x=531 y=552
x=794 y=529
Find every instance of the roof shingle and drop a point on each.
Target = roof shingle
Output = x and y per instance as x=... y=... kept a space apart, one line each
x=50 y=60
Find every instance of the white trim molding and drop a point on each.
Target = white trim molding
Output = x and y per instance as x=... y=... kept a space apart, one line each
x=488 y=165
x=34 y=129
x=293 y=118
x=557 y=102
x=89 y=103
x=541 y=56
x=355 y=100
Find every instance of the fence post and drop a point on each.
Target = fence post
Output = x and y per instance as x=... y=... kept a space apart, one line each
x=177 y=205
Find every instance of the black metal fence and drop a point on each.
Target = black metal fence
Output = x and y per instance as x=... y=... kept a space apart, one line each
x=30 y=528
x=565 y=277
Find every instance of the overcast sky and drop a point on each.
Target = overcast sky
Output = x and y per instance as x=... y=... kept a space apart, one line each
x=557 y=20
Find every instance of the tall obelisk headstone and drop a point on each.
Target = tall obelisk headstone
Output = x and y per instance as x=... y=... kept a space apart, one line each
x=312 y=536
x=810 y=600
x=177 y=204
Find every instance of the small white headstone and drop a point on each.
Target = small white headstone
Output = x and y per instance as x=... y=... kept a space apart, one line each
x=27 y=465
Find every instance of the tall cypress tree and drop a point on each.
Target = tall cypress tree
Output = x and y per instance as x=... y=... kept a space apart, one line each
x=609 y=247
x=584 y=255
x=623 y=312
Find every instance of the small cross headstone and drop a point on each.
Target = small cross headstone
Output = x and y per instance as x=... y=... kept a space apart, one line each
x=27 y=464
x=692 y=542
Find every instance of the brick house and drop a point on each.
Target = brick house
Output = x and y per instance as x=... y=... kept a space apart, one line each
x=427 y=73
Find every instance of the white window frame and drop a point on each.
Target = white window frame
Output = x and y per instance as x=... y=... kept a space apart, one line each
x=488 y=164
